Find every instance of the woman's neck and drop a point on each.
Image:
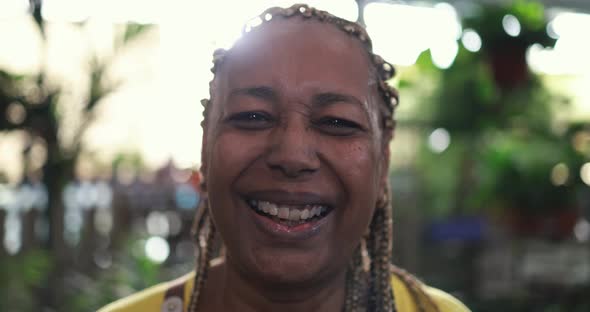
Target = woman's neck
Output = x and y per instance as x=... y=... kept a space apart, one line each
x=226 y=289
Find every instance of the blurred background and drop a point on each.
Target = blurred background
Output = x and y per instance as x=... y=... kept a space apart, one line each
x=100 y=144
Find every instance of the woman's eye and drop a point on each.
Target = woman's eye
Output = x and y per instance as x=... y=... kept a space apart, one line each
x=250 y=120
x=338 y=126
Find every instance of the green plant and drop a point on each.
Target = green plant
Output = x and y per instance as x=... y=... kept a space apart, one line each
x=500 y=119
x=23 y=277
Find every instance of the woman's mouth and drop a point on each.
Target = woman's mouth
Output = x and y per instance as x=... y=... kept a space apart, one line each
x=288 y=214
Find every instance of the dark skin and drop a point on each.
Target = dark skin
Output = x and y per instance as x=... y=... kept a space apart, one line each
x=294 y=119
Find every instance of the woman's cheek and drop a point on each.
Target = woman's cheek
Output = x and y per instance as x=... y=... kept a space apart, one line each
x=233 y=150
x=355 y=160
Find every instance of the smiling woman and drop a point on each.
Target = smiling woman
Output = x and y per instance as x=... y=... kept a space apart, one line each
x=295 y=159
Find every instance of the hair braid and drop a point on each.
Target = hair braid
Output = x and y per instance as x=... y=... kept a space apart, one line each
x=379 y=250
x=356 y=283
x=383 y=253
x=365 y=291
x=204 y=233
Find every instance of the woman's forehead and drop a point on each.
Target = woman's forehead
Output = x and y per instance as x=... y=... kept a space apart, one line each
x=298 y=52
x=298 y=30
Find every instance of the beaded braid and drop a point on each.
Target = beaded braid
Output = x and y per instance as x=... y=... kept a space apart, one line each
x=204 y=233
x=379 y=251
x=356 y=288
x=375 y=249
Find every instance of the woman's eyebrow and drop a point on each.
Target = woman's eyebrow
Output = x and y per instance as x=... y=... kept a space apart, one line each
x=323 y=99
x=261 y=92
x=328 y=98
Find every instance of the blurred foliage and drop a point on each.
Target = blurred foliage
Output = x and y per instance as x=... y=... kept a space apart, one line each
x=23 y=277
x=530 y=14
x=130 y=272
x=41 y=116
x=504 y=140
x=27 y=275
x=472 y=102
x=516 y=172
x=511 y=162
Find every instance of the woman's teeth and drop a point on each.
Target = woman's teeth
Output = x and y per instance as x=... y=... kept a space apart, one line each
x=288 y=212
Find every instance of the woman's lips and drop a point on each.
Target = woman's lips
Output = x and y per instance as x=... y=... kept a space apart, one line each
x=283 y=197
x=290 y=215
x=295 y=213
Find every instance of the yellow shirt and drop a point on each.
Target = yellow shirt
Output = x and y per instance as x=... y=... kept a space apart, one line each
x=152 y=299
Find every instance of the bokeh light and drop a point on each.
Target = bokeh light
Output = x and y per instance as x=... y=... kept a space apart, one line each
x=568 y=23
x=38 y=154
x=511 y=25
x=569 y=55
x=439 y=140
x=16 y=113
x=73 y=221
x=443 y=54
x=157 y=224
x=186 y=197
x=103 y=221
x=157 y=249
x=471 y=40
x=12 y=233
x=551 y=30
x=585 y=173
x=582 y=230
x=581 y=142
x=560 y=174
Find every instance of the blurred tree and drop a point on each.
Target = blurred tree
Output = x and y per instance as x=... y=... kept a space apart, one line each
x=30 y=104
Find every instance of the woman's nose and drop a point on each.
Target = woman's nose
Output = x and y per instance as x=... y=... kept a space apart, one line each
x=293 y=151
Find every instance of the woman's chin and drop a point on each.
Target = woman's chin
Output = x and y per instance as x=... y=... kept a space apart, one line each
x=288 y=267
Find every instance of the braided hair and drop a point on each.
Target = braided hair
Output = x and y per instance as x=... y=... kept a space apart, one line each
x=368 y=279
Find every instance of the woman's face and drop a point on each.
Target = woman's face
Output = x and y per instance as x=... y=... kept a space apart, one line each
x=294 y=157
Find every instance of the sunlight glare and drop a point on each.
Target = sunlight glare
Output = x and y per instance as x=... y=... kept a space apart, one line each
x=570 y=54
x=13 y=8
x=438 y=34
